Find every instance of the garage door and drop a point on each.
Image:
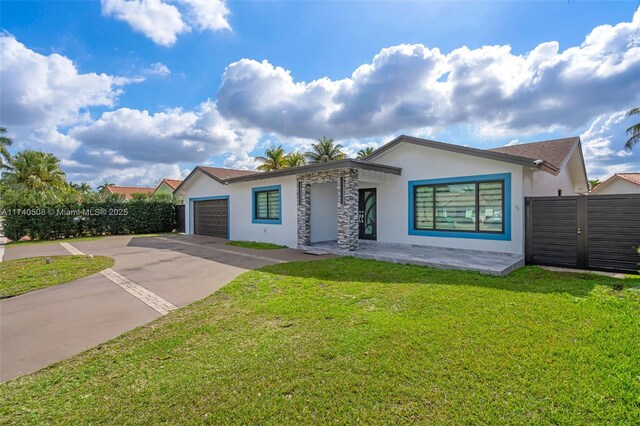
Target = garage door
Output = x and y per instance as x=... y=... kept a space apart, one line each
x=211 y=217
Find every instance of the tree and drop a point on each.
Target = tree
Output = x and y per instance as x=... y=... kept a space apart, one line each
x=324 y=151
x=365 y=152
x=295 y=159
x=274 y=159
x=35 y=170
x=593 y=183
x=634 y=131
x=85 y=188
x=103 y=187
x=5 y=157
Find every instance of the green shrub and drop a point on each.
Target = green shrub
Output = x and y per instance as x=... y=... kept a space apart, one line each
x=53 y=218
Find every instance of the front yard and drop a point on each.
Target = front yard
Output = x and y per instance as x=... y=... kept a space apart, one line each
x=351 y=341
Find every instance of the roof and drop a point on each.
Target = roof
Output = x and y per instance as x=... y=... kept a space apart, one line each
x=631 y=177
x=128 y=191
x=171 y=183
x=226 y=176
x=556 y=151
x=492 y=155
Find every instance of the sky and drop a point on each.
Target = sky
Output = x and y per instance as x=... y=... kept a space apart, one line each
x=133 y=91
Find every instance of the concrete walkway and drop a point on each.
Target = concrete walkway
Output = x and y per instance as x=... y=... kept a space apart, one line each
x=49 y=325
x=436 y=257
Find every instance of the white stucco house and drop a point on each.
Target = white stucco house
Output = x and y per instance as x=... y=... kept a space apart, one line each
x=409 y=191
x=619 y=183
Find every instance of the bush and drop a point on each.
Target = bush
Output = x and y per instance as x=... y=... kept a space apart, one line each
x=85 y=216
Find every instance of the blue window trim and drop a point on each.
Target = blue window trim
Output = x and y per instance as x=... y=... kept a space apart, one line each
x=506 y=236
x=192 y=211
x=253 y=205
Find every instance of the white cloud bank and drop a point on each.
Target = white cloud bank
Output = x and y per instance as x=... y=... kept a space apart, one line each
x=412 y=86
x=162 y=21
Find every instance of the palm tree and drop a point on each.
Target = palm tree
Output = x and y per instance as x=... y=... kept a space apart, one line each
x=634 y=131
x=365 y=152
x=593 y=183
x=84 y=187
x=104 y=185
x=34 y=170
x=5 y=157
x=274 y=159
x=295 y=159
x=324 y=151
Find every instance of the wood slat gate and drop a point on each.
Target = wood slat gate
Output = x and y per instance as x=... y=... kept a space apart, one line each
x=180 y=218
x=599 y=232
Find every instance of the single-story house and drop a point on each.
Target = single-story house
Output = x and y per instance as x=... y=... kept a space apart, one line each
x=128 y=191
x=167 y=186
x=619 y=183
x=409 y=191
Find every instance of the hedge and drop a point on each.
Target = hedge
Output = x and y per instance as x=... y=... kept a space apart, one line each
x=49 y=221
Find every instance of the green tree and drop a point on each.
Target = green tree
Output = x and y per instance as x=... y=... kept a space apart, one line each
x=593 y=183
x=35 y=170
x=295 y=159
x=5 y=142
x=103 y=186
x=365 y=152
x=634 y=131
x=325 y=150
x=274 y=159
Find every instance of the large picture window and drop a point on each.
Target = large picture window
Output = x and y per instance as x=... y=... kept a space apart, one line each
x=470 y=207
x=266 y=205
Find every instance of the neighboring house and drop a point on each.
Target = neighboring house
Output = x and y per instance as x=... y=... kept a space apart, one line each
x=620 y=183
x=411 y=191
x=167 y=186
x=128 y=191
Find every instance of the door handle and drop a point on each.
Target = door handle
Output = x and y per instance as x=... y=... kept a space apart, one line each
x=579 y=231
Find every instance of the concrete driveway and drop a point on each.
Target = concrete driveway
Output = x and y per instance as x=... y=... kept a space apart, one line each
x=48 y=325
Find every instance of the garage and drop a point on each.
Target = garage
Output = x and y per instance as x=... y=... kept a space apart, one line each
x=211 y=217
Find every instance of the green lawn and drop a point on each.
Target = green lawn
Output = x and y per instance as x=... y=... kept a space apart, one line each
x=255 y=245
x=33 y=273
x=352 y=341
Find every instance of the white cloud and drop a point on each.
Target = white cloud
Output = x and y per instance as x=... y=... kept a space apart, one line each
x=603 y=147
x=159 y=69
x=162 y=21
x=39 y=90
x=413 y=86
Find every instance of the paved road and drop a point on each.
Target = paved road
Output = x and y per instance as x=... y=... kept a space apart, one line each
x=48 y=325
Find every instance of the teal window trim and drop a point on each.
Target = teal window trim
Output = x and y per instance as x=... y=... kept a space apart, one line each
x=254 y=218
x=192 y=212
x=506 y=216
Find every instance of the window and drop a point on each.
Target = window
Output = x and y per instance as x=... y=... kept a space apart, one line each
x=473 y=206
x=266 y=205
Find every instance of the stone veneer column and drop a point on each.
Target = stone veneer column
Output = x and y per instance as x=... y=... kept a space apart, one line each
x=304 y=213
x=348 y=211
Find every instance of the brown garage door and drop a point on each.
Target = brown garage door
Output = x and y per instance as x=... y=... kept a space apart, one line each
x=211 y=217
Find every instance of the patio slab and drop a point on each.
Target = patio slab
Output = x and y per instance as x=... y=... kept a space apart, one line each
x=486 y=262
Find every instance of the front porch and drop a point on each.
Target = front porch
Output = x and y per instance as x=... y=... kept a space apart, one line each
x=492 y=263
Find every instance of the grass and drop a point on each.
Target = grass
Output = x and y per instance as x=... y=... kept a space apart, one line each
x=255 y=245
x=33 y=273
x=353 y=341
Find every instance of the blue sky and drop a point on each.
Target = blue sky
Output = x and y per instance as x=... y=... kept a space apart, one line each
x=79 y=77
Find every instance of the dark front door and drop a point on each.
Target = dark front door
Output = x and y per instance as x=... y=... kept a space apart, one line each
x=367 y=214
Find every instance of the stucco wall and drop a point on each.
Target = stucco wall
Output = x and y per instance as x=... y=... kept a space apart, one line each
x=420 y=163
x=240 y=221
x=324 y=211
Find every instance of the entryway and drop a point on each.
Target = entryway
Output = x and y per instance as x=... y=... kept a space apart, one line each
x=367 y=214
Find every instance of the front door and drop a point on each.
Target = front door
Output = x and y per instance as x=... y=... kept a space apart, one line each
x=367 y=214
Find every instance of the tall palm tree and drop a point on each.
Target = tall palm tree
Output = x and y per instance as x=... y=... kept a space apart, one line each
x=593 y=183
x=34 y=170
x=325 y=150
x=104 y=185
x=274 y=159
x=84 y=187
x=5 y=157
x=365 y=152
x=295 y=159
x=634 y=131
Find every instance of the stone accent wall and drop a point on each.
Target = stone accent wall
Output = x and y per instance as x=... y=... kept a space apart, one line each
x=347 y=211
